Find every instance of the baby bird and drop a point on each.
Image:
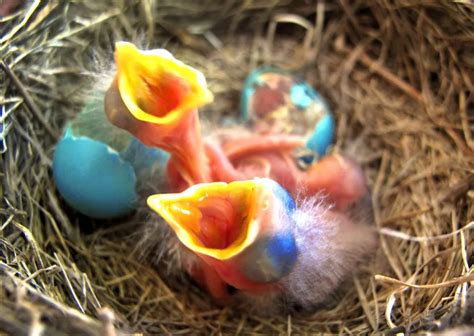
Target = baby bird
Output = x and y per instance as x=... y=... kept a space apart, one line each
x=232 y=204
x=252 y=236
x=155 y=98
x=339 y=178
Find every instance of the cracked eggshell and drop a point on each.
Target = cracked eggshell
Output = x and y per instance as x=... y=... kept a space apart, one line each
x=93 y=178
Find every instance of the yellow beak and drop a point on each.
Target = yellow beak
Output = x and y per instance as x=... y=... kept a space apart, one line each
x=155 y=97
x=156 y=87
x=218 y=220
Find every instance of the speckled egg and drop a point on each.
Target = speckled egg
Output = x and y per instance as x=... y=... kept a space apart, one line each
x=276 y=101
x=99 y=169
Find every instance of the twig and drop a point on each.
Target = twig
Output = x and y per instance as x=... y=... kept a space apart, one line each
x=404 y=236
x=382 y=71
x=27 y=98
x=457 y=190
x=75 y=318
x=403 y=216
x=449 y=283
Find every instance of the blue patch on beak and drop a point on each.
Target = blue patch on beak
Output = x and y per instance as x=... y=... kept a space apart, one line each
x=270 y=258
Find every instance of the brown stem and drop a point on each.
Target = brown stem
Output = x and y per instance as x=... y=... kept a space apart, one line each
x=28 y=99
x=382 y=71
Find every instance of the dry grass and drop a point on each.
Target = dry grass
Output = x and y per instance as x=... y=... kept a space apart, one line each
x=399 y=76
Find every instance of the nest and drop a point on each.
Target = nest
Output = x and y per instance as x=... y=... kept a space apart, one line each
x=399 y=78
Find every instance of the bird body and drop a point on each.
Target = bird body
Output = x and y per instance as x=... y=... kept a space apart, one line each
x=242 y=206
x=251 y=235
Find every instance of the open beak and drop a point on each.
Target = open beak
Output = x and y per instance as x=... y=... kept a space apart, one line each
x=213 y=219
x=240 y=229
x=155 y=97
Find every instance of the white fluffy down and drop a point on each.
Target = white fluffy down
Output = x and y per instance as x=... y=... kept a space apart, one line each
x=331 y=246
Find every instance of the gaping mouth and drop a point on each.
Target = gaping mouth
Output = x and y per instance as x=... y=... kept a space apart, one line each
x=156 y=87
x=214 y=219
x=155 y=97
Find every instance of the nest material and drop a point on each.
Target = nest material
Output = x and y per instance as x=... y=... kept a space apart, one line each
x=399 y=76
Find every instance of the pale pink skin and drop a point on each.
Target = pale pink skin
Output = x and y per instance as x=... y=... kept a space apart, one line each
x=182 y=139
x=241 y=157
x=339 y=179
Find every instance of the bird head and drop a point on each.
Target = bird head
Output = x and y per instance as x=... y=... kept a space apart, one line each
x=339 y=178
x=242 y=229
x=155 y=87
x=155 y=97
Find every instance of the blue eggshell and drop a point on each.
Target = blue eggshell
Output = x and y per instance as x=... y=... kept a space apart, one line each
x=302 y=95
x=270 y=258
x=93 y=178
x=304 y=99
x=247 y=92
x=322 y=136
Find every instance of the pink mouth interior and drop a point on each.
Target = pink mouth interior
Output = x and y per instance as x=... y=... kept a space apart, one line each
x=220 y=223
x=164 y=95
